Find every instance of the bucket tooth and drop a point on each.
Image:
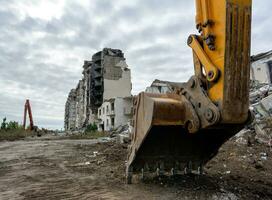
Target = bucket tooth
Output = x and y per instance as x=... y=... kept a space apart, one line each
x=173 y=172
x=200 y=170
x=185 y=170
x=159 y=171
x=190 y=164
x=129 y=174
x=142 y=174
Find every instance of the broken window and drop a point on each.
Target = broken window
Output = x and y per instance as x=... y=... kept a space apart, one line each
x=112 y=106
x=99 y=112
x=160 y=89
x=269 y=63
x=107 y=110
x=112 y=122
x=103 y=111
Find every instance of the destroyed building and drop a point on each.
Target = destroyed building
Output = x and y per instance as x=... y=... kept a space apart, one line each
x=105 y=78
x=158 y=87
x=261 y=67
x=70 y=111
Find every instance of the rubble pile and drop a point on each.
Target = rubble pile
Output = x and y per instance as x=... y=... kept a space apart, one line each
x=261 y=106
x=122 y=133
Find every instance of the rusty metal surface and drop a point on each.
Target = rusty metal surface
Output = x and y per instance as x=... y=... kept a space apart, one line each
x=162 y=139
x=152 y=110
x=170 y=147
x=176 y=130
x=237 y=64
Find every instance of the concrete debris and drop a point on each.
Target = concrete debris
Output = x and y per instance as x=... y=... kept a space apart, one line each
x=225 y=196
x=261 y=106
x=95 y=153
x=120 y=130
x=122 y=134
x=263 y=156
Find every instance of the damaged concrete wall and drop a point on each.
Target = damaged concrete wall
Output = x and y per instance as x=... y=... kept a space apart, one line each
x=118 y=87
x=70 y=111
x=261 y=67
x=80 y=103
x=123 y=111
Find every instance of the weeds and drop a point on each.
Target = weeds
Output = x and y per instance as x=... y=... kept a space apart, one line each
x=11 y=131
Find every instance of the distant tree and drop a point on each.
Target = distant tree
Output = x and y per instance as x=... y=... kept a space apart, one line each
x=12 y=125
x=4 y=123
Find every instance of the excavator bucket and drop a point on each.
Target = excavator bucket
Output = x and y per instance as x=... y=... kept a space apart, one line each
x=184 y=129
x=161 y=140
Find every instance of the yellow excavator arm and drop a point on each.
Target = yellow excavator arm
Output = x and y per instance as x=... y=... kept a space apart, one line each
x=223 y=50
x=182 y=130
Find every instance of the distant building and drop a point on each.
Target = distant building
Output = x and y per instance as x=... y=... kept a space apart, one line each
x=105 y=77
x=261 y=67
x=110 y=76
x=158 y=87
x=70 y=111
x=115 y=112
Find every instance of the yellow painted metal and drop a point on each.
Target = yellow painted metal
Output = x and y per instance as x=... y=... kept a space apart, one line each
x=209 y=67
x=211 y=19
x=164 y=123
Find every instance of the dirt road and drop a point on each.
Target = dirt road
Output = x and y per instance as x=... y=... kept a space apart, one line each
x=90 y=169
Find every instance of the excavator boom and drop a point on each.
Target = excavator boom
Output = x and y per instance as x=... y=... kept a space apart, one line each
x=28 y=110
x=183 y=130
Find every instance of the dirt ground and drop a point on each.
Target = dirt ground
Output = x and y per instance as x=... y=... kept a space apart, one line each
x=49 y=168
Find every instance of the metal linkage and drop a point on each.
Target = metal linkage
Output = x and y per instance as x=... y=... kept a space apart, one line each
x=208 y=113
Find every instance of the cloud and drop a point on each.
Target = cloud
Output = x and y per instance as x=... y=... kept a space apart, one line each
x=43 y=45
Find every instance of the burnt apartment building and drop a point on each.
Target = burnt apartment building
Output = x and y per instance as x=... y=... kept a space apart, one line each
x=105 y=77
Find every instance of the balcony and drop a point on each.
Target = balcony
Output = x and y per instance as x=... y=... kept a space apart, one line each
x=97 y=75
x=110 y=113
x=97 y=67
x=97 y=83
x=98 y=94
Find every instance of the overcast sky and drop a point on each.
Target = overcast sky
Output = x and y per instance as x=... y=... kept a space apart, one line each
x=43 y=44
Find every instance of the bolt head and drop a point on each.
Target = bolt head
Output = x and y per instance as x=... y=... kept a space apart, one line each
x=209 y=115
x=210 y=75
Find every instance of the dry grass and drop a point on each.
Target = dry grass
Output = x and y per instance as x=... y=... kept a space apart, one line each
x=88 y=135
x=15 y=134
